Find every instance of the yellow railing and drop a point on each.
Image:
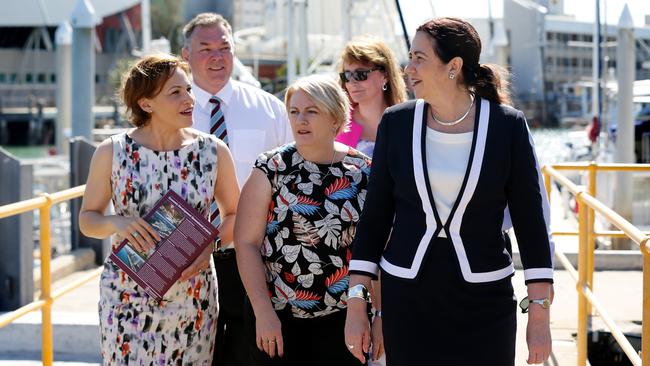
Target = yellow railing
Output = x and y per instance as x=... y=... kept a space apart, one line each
x=588 y=205
x=43 y=204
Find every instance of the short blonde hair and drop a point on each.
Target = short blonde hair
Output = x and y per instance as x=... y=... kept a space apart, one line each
x=328 y=96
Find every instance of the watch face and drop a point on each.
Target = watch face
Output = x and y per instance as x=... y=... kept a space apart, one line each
x=523 y=304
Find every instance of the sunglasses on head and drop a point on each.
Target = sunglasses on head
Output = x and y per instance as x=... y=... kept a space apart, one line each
x=358 y=75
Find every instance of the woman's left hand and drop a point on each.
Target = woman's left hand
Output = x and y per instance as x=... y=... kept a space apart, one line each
x=538 y=335
x=200 y=263
x=377 y=338
x=357 y=329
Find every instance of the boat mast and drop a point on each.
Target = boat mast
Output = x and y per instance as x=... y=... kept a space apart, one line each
x=596 y=57
x=401 y=20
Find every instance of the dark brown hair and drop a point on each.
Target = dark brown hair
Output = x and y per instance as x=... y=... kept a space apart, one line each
x=453 y=37
x=371 y=51
x=145 y=79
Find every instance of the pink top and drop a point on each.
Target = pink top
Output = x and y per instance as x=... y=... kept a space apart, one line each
x=352 y=137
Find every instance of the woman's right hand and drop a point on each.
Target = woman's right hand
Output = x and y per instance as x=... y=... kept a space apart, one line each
x=137 y=231
x=357 y=329
x=268 y=330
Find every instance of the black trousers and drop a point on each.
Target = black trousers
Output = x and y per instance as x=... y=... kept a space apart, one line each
x=314 y=342
x=230 y=347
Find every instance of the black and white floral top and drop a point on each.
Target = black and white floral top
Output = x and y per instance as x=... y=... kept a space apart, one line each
x=312 y=218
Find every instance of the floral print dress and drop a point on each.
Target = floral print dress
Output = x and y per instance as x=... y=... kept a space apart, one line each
x=312 y=218
x=180 y=329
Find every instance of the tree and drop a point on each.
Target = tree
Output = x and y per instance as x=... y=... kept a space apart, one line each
x=167 y=21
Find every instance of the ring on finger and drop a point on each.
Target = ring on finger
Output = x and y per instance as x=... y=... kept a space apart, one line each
x=271 y=341
x=350 y=346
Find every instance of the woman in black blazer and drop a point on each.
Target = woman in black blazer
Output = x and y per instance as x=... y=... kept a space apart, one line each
x=445 y=167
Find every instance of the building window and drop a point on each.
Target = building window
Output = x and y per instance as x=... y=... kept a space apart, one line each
x=53 y=78
x=13 y=78
x=40 y=78
x=3 y=78
x=29 y=78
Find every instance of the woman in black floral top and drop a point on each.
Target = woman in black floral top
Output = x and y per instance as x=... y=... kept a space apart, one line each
x=300 y=209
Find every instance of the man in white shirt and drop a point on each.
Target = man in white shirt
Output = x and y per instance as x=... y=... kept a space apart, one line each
x=256 y=121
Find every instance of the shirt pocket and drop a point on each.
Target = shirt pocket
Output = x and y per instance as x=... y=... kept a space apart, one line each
x=247 y=145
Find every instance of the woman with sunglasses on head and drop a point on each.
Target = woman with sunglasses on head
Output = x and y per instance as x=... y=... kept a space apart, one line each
x=370 y=75
x=296 y=220
x=445 y=167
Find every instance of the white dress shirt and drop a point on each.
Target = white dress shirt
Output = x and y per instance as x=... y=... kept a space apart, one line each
x=447 y=157
x=256 y=121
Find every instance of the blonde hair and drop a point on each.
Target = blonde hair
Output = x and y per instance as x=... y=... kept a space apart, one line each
x=328 y=96
x=373 y=51
x=145 y=79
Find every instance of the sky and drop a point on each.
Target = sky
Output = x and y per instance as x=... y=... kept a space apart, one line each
x=417 y=11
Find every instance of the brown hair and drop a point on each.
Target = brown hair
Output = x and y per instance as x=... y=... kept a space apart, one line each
x=204 y=20
x=453 y=37
x=373 y=51
x=145 y=79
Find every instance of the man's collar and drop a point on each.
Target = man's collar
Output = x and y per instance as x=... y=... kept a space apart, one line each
x=202 y=97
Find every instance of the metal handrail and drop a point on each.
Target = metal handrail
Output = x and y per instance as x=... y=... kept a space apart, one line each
x=47 y=297
x=588 y=205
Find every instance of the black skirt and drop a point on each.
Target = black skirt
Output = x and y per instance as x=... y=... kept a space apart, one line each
x=440 y=319
x=315 y=341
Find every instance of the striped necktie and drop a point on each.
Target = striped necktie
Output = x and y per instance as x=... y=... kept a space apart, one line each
x=217 y=121
x=217 y=128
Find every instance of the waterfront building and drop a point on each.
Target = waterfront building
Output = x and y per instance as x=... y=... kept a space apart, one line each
x=27 y=47
x=551 y=58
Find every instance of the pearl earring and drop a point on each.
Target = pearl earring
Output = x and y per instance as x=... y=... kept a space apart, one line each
x=452 y=76
x=384 y=87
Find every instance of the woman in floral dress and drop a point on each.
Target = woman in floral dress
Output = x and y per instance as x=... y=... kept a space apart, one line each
x=299 y=209
x=134 y=170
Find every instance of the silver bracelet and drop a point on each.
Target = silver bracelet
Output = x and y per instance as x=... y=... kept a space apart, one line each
x=359 y=291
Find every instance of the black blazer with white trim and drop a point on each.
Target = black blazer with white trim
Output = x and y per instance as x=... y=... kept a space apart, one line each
x=399 y=220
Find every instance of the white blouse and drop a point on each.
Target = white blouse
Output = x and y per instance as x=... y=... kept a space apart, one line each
x=447 y=157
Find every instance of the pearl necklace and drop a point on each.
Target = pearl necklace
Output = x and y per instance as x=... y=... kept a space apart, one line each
x=455 y=122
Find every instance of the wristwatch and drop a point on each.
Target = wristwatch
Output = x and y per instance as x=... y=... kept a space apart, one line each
x=359 y=291
x=545 y=303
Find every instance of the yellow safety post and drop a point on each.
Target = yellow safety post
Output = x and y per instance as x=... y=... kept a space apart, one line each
x=645 y=330
x=591 y=238
x=547 y=185
x=582 y=280
x=47 y=354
